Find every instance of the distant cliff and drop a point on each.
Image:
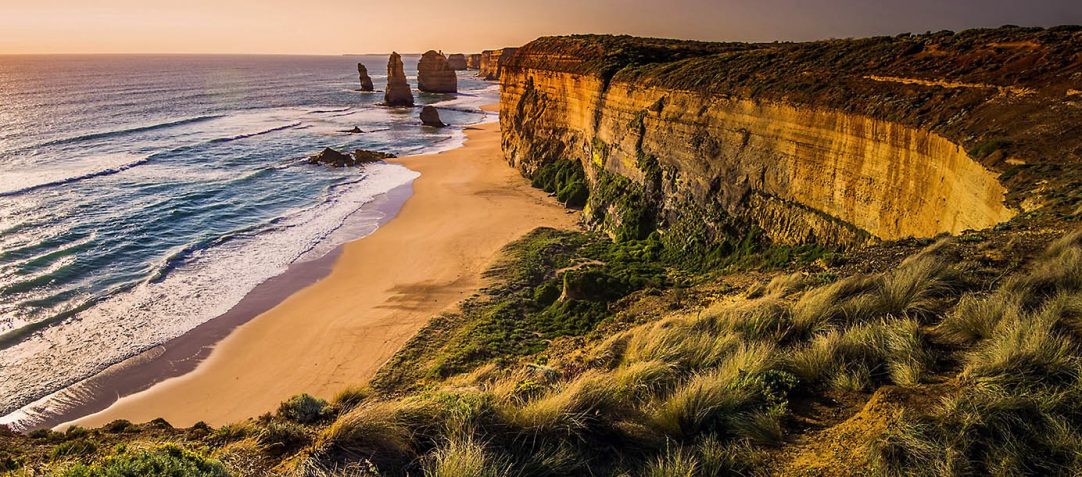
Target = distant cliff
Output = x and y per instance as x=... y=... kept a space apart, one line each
x=836 y=142
x=491 y=61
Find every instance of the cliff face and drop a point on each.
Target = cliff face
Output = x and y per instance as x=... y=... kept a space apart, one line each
x=491 y=61
x=473 y=61
x=435 y=75
x=831 y=142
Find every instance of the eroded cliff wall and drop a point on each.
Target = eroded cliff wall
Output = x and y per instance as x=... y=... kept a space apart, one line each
x=736 y=152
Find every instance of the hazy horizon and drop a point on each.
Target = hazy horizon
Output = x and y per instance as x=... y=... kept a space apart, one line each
x=276 y=27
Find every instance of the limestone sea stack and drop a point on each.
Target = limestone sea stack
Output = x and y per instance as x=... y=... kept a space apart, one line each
x=430 y=116
x=457 y=61
x=366 y=81
x=398 y=90
x=434 y=75
x=473 y=61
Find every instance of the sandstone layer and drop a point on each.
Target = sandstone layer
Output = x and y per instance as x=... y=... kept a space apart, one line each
x=398 y=90
x=457 y=61
x=435 y=75
x=775 y=138
x=366 y=81
x=490 y=61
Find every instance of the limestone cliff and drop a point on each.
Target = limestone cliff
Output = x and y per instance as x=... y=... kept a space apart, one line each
x=490 y=61
x=366 y=81
x=435 y=75
x=473 y=61
x=457 y=61
x=835 y=142
x=398 y=90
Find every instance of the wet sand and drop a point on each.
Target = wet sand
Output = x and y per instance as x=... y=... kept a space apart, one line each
x=466 y=205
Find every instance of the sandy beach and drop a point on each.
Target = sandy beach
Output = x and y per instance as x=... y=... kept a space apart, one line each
x=465 y=206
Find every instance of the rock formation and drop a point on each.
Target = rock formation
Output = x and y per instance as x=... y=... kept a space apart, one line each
x=366 y=81
x=359 y=157
x=473 y=61
x=398 y=90
x=457 y=61
x=491 y=61
x=430 y=116
x=798 y=142
x=434 y=74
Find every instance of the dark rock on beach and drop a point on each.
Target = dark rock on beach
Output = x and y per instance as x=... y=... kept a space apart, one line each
x=359 y=157
x=430 y=116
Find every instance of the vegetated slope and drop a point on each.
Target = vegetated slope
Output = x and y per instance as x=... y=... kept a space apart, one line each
x=655 y=346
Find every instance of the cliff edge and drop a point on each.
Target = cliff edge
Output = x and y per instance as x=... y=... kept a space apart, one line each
x=839 y=142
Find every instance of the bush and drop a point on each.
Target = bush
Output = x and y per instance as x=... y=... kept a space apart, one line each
x=303 y=409
x=279 y=437
x=79 y=447
x=164 y=461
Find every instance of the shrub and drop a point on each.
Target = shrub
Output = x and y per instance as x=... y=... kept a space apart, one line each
x=164 y=461
x=79 y=447
x=303 y=409
x=279 y=437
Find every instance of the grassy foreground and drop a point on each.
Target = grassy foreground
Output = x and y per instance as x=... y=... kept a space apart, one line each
x=591 y=357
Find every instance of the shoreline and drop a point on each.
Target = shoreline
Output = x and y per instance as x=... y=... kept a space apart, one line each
x=466 y=205
x=183 y=354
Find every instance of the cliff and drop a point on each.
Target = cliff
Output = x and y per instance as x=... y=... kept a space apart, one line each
x=473 y=61
x=435 y=75
x=491 y=61
x=835 y=142
x=398 y=90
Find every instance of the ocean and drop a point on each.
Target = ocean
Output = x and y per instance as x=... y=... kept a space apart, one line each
x=141 y=196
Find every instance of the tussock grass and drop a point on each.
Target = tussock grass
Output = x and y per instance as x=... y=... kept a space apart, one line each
x=675 y=462
x=711 y=400
x=466 y=457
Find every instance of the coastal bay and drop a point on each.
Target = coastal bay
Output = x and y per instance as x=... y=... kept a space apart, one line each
x=465 y=206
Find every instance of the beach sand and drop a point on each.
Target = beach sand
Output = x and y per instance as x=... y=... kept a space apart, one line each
x=466 y=205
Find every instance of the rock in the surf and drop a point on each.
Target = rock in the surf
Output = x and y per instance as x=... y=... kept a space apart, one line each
x=398 y=90
x=366 y=81
x=434 y=75
x=334 y=158
x=430 y=116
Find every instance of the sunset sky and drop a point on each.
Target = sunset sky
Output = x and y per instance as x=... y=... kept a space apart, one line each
x=366 y=26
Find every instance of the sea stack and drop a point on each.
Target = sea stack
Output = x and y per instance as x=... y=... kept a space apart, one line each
x=434 y=75
x=366 y=81
x=473 y=61
x=457 y=61
x=398 y=90
x=430 y=116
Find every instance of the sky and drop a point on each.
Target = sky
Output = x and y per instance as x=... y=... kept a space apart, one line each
x=366 y=26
